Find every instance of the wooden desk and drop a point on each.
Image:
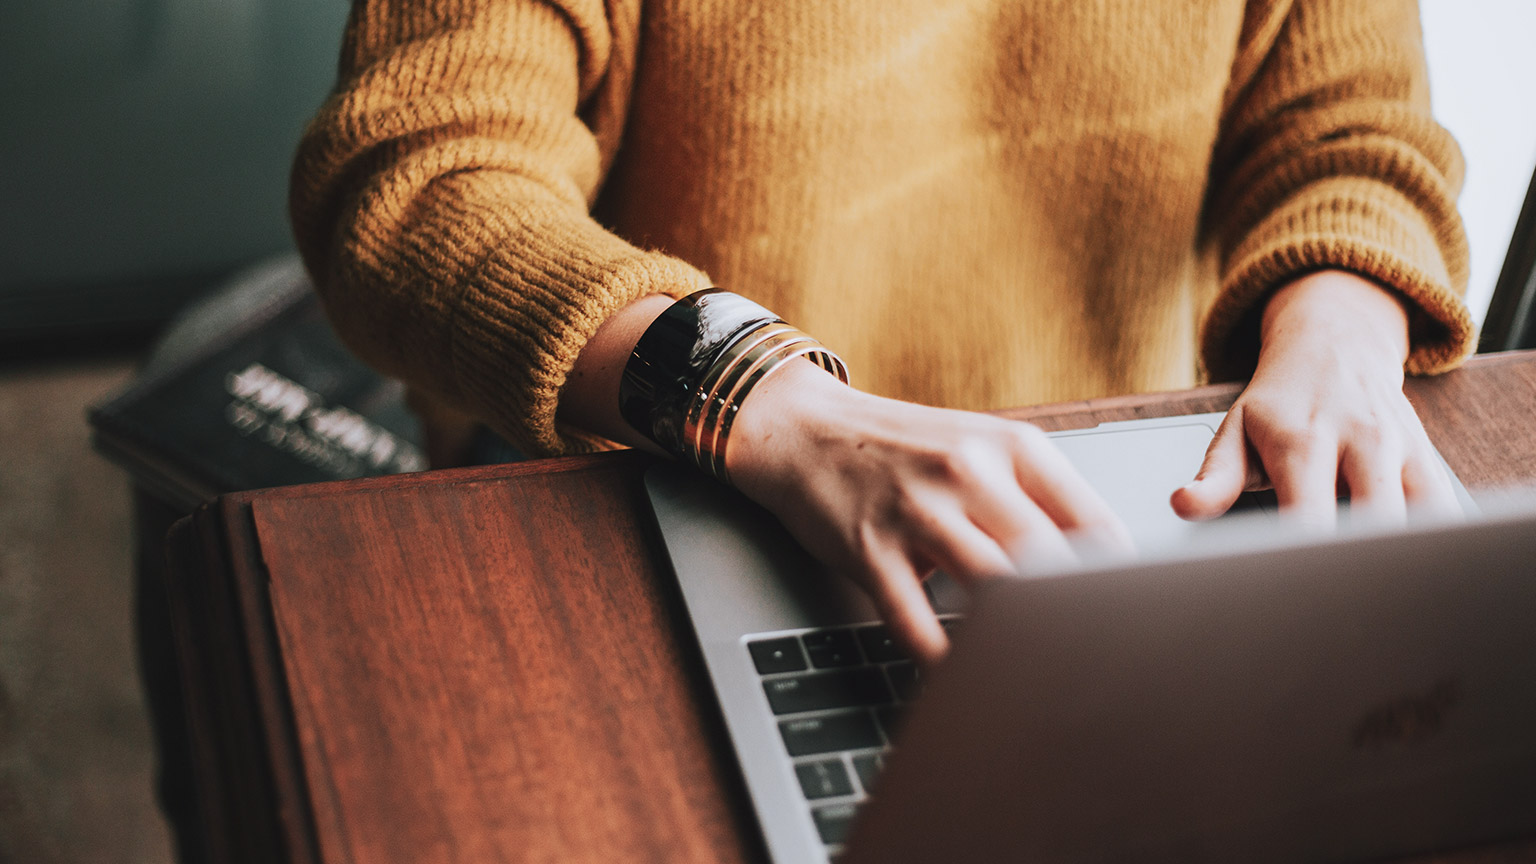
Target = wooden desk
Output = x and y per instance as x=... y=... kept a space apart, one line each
x=488 y=664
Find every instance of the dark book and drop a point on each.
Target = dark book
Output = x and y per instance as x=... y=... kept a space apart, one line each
x=250 y=389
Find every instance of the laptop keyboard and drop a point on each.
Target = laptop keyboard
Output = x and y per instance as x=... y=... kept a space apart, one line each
x=837 y=696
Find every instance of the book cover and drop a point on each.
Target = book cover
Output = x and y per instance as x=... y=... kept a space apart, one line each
x=259 y=392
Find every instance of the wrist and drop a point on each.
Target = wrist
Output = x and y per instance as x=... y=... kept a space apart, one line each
x=694 y=367
x=1336 y=307
x=783 y=410
x=590 y=399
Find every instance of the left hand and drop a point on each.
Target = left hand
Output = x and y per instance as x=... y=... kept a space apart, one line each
x=1325 y=412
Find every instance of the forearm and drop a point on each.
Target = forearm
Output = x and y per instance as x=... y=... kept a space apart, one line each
x=440 y=199
x=590 y=398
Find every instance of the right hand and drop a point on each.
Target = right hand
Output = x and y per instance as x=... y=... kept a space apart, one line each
x=886 y=492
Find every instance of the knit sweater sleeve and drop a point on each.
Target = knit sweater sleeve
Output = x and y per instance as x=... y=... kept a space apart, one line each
x=1329 y=158
x=440 y=200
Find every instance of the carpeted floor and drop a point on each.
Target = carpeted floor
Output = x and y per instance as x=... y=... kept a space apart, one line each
x=75 y=763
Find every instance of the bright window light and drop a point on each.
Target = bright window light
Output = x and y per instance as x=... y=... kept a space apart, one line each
x=1482 y=78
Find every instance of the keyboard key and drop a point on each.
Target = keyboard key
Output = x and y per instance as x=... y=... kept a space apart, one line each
x=945 y=595
x=868 y=766
x=824 y=779
x=879 y=646
x=890 y=718
x=844 y=688
x=906 y=680
x=831 y=648
x=777 y=655
x=829 y=733
x=833 y=822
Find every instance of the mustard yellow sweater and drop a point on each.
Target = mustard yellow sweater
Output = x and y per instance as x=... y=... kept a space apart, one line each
x=978 y=204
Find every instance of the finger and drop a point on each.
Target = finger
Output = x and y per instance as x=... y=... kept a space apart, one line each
x=1046 y=550
x=1026 y=534
x=1305 y=470
x=956 y=545
x=1427 y=485
x=1427 y=482
x=897 y=591
x=1061 y=495
x=1374 y=476
x=1228 y=469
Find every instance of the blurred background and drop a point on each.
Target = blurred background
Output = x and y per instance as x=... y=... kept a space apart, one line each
x=144 y=151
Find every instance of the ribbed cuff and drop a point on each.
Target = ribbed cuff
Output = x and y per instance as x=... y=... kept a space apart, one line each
x=546 y=278
x=514 y=351
x=1346 y=223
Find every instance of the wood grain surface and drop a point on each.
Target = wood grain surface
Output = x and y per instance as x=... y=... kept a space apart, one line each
x=487 y=664
x=486 y=671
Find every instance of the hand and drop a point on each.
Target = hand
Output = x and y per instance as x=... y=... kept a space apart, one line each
x=887 y=491
x=1324 y=412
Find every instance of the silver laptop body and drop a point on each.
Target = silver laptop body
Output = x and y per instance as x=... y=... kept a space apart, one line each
x=747 y=586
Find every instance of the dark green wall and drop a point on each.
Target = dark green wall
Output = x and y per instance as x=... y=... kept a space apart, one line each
x=144 y=146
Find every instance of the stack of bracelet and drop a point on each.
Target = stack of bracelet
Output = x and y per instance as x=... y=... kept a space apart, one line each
x=693 y=368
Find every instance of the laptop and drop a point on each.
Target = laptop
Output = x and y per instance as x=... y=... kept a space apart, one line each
x=815 y=695
x=1349 y=699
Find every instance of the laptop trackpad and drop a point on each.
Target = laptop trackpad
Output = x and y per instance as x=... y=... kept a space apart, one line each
x=1136 y=469
x=710 y=530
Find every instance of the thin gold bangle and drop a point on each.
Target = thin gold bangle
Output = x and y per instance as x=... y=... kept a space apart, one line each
x=814 y=351
x=750 y=378
x=732 y=374
x=709 y=387
x=742 y=368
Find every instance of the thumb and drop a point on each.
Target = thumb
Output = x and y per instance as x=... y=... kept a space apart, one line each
x=1222 y=477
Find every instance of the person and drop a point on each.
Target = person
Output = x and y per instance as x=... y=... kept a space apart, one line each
x=977 y=205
